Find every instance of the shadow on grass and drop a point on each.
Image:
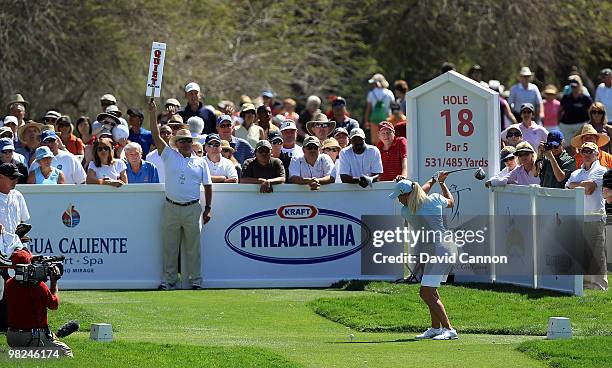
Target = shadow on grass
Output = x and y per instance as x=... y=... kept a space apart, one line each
x=506 y=288
x=375 y=342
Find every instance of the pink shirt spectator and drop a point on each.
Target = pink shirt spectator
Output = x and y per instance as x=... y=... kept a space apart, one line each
x=517 y=176
x=551 y=113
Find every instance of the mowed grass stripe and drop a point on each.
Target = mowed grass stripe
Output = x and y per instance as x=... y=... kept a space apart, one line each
x=489 y=309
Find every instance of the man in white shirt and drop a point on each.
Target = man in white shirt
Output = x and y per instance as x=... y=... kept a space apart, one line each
x=312 y=169
x=603 y=93
x=165 y=132
x=590 y=177
x=63 y=160
x=185 y=172
x=221 y=169
x=360 y=163
x=289 y=132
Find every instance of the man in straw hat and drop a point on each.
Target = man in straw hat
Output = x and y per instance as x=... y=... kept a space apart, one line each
x=17 y=107
x=29 y=139
x=590 y=177
x=526 y=92
x=589 y=134
x=185 y=172
x=320 y=126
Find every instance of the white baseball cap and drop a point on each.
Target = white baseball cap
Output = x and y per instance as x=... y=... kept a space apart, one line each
x=357 y=132
x=288 y=124
x=193 y=86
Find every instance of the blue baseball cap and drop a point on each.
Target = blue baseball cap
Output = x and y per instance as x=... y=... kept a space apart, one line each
x=48 y=134
x=6 y=144
x=268 y=94
x=43 y=152
x=555 y=138
x=223 y=118
x=401 y=187
x=212 y=138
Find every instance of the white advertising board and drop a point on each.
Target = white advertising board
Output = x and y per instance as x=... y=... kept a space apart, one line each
x=110 y=237
x=294 y=237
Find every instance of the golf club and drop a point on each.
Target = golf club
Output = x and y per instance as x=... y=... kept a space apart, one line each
x=478 y=174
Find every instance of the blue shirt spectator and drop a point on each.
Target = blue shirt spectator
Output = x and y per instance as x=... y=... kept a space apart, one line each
x=242 y=148
x=138 y=170
x=195 y=107
x=137 y=133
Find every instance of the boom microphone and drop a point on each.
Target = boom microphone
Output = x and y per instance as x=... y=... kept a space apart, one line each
x=68 y=328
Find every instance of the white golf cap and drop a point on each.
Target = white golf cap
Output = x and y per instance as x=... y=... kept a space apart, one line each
x=193 y=86
x=10 y=119
x=288 y=124
x=357 y=132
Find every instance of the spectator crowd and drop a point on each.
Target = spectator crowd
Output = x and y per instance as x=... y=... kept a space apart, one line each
x=558 y=137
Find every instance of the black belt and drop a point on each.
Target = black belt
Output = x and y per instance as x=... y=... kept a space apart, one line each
x=182 y=204
x=42 y=329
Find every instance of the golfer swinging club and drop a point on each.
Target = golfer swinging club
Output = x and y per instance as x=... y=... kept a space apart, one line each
x=422 y=209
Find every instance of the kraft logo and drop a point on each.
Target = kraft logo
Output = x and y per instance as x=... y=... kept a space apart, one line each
x=297 y=234
x=71 y=217
x=297 y=212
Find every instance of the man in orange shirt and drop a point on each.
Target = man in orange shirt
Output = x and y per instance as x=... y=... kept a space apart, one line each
x=589 y=134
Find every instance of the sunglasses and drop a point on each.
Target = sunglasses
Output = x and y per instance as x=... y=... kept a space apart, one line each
x=184 y=140
x=517 y=134
x=321 y=125
x=522 y=154
x=174 y=126
x=312 y=147
x=7 y=151
x=214 y=145
x=509 y=159
x=527 y=112
x=110 y=122
x=587 y=151
x=63 y=125
x=165 y=132
x=263 y=150
x=226 y=151
x=49 y=141
x=49 y=120
x=278 y=141
x=199 y=151
x=103 y=148
x=225 y=126
x=330 y=149
x=597 y=112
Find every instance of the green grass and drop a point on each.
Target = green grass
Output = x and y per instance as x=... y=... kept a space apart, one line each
x=146 y=354
x=591 y=352
x=269 y=328
x=489 y=309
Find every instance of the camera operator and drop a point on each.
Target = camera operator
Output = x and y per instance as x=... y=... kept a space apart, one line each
x=13 y=211
x=556 y=166
x=27 y=309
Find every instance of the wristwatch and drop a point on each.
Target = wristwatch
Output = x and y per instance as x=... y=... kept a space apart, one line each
x=207 y=207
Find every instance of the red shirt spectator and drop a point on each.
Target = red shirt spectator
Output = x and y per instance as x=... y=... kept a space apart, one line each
x=392 y=152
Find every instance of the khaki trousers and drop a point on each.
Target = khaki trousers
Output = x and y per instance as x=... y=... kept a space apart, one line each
x=595 y=272
x=181 y=226
x=37 y=339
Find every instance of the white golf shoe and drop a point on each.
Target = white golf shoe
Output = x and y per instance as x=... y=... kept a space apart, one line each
x=430 y=333
x=447 y=334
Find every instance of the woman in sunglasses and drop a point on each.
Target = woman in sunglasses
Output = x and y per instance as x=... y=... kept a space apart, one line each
x=509 y=160
x=512 y=136
x=526 y=173
x=331 y=147
x=105 y=169
x=72 y=143
x=598 y=119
